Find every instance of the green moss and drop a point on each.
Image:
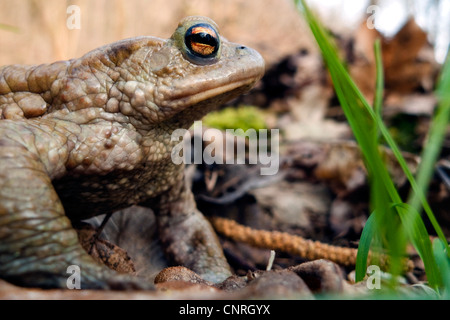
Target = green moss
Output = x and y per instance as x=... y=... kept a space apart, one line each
x=243 y=117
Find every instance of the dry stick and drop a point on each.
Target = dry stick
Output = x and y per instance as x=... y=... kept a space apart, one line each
x=296 y=245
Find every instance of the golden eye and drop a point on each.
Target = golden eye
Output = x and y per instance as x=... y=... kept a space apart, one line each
x=202 y=41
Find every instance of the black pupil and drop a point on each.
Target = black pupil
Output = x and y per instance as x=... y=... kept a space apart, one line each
x=204 y=38
x=201 y=38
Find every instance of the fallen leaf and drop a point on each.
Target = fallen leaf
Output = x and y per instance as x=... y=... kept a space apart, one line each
x=104 y=251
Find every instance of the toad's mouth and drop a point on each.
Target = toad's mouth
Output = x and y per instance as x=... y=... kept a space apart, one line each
x=191 y=97
x=184 y=110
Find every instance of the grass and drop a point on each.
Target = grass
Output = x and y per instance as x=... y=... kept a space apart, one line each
x=393 y=223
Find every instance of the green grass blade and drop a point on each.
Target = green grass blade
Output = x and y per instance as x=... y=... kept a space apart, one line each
x=418 y=234
x=365 y=122
x=394 y=231
x=443 y=262
x=364 y=248
x=379 y=86
x=361 y=118
x=432 y=148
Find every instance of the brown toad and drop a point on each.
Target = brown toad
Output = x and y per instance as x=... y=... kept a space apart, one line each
x=92 y=135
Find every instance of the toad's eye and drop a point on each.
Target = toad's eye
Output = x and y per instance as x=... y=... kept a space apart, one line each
x=202 y=41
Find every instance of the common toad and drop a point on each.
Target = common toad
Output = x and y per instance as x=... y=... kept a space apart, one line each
x=92 y=135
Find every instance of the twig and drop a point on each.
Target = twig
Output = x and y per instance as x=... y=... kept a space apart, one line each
x=271 y=259
x=296 y=245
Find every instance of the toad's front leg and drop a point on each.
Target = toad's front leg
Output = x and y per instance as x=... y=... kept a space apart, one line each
x=188 y=237
x=37 y=241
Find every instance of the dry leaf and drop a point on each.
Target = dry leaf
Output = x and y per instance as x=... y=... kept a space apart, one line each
x=104 y=251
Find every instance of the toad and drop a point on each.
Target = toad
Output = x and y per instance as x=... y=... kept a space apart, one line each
x=90 y=136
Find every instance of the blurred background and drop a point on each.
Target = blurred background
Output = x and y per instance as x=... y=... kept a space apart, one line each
x=38 y=33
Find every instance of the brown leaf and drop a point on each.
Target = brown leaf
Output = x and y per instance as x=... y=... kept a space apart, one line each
x=104 y=251
x=408 y=61
x=341 y=165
